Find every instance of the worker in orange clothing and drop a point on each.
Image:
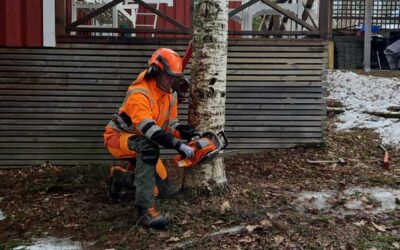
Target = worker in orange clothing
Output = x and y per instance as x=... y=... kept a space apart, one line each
x=147 y=119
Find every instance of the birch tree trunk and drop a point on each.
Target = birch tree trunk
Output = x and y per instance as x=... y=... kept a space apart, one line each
x=208 y=90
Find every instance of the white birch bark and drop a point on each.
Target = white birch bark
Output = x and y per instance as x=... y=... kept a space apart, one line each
x=208 y=90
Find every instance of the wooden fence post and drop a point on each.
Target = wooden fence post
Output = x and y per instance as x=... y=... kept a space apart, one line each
x=367 y=37
x=325 y=19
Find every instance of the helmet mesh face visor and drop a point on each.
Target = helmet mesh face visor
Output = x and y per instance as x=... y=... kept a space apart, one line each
x=167 y=82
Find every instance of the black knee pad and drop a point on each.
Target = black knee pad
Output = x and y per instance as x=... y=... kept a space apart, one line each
x=150 y=153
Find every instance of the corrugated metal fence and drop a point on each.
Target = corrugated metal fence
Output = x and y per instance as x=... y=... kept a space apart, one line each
x=55 y=102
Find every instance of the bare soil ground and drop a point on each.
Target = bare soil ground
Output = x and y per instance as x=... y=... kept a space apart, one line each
x=73 y=202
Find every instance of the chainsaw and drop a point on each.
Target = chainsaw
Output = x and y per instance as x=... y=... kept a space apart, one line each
x=206 y=147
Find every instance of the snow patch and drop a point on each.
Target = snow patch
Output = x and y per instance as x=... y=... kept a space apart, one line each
x=315 y=200
x=359 y=94
x=386 y=198
x=369 y=200
x=52 y=243
x=2 y=216
x=353 y=205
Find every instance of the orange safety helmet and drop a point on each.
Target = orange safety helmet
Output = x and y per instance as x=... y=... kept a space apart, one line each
x=165 y=60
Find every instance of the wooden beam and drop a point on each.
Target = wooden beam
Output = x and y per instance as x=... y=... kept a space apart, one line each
x=93 y=13
x=276 y=22
x=242 y=7
x=275 y=33
x=60 y=17
x=308 y=13
x=262 y=22
x=330 y=20
x=325 y=19
x=331 y=55
x=161 y=14
x=288 y=14
x=284 y=25
x=308 y=4
x=128 y=30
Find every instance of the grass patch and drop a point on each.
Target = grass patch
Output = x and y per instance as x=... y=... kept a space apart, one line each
x=321 y=220
x=102 y=239
x=256 y=196
x=339 y=203
x=385 y=180
x=12 y=244
x=377 y=241
x=372 y=201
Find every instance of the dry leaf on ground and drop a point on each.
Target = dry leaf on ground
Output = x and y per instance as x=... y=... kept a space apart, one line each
x=225 y=207
x=278 y=239
x=266 y=223
x=380 y=228
x=250 y=228
x=246 y=239
x=173 y=239
x=360 y=223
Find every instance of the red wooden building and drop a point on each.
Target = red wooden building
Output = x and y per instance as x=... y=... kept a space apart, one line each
x=38 y=23
x=21 y=23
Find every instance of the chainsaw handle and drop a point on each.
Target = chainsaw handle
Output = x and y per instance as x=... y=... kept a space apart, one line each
x=221 y=134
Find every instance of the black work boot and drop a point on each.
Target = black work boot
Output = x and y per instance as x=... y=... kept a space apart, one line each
x=120 y=178
x=149 y=217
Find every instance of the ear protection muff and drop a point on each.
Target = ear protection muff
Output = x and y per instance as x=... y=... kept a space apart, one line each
x=155 y=69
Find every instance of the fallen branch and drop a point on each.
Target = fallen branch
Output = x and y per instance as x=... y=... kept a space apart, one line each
x=384 y=114
x=335 y=110
x=394 y=108
x=222 y=232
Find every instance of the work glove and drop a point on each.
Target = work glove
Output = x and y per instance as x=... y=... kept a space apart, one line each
x=186 y=151
x=187 y=132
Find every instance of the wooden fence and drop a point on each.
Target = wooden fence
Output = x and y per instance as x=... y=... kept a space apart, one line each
x=55 y=102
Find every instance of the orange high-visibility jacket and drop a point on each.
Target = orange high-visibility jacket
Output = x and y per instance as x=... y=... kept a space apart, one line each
x=146 y=111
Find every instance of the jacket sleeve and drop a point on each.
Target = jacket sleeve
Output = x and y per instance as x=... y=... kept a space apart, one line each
x=177 y=129
x=174 y=121
x=138 y=108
